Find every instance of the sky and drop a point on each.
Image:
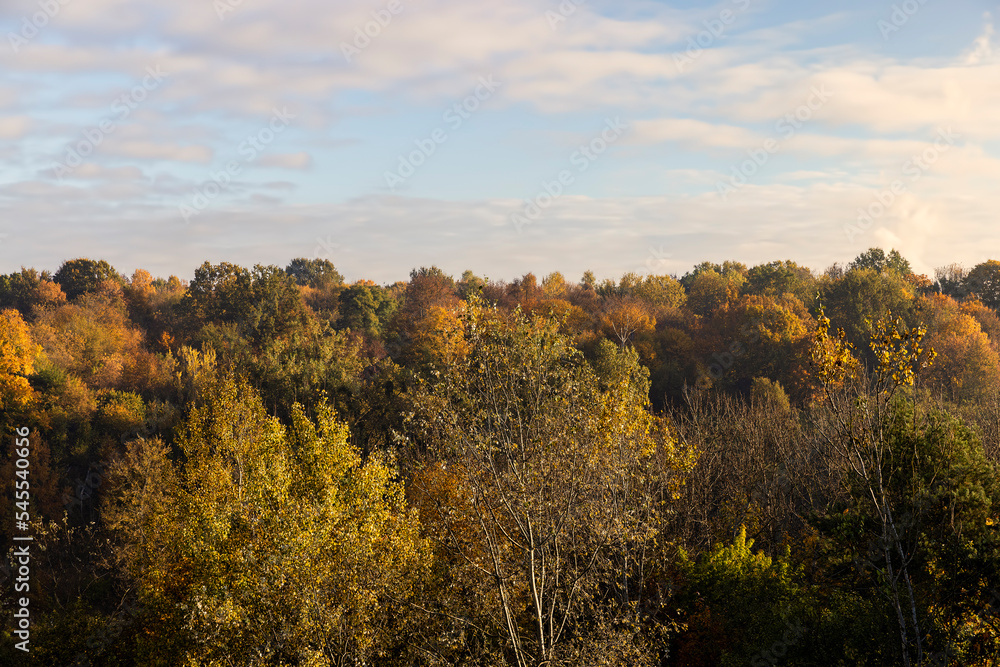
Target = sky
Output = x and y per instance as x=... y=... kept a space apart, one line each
x=501 y=137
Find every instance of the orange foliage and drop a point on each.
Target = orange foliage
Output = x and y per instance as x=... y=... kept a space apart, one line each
x=967 y=364
x=17 y=359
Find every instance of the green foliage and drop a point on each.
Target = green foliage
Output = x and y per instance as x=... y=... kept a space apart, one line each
x=661 y=292
x=315 y=273
x=27 y=290
x=876 y=259
x=309 y=364
x=262 y=545
x=80 y=276
x=358 y=309
x=766 y=391
x=229 y=449
x=262 y=304
x=864 y=296
x=777 y=278
x=741 y=603
x=983 y=281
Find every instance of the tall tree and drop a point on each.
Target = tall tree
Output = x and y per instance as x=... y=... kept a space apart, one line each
x=549 y=513
x=859 y=431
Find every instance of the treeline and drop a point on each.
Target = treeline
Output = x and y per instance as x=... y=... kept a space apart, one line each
x=738 y=466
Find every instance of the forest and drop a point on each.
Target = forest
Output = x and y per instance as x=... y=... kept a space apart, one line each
x=266 y=466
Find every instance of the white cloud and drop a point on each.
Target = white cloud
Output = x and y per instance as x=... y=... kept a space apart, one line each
x=227 y=76
x=286 y=160
x=14 y=127
x=151 y=150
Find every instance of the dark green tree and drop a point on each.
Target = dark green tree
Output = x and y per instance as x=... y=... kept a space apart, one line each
x=315 y=273
x=358 y=309
x=983 y=281
x=82 y=275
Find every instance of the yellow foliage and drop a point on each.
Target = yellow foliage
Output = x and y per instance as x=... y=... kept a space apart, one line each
x=899 y=351
x=261 y=543
x=625 y=319
x=17 y=359
x=438 y=337
x=832 y=358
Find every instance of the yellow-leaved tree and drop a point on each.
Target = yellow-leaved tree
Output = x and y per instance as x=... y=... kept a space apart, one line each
x=17 y=360
x=253 y=544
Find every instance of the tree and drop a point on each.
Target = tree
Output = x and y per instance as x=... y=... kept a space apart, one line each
x=80 y=276
x=358 y=310
x=262 y=303
x=429 y=288
x=27 y=290
x=858 y=430
x=548 y=510
x=525 y=293
x=94 y=339
x=253 y=544
x=661 y=292
x=763 y=336
x=722 y=629
x=314 y=273
x=862 y=297
x=950 y=280
x=777 y=278
x=17 y=361
x=623 y=319
x=730 y=269
x=987 y=318
x=217 y=293
x=878 y=261
x=967 y=366
x=275 y=307
x=710 y=291
x=983 y=282
x=554 y=285
x=469 y=284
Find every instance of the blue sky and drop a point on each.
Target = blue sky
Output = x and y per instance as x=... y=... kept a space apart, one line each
x=500 y=137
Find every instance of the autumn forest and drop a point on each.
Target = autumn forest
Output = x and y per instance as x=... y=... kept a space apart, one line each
x=266 y=466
